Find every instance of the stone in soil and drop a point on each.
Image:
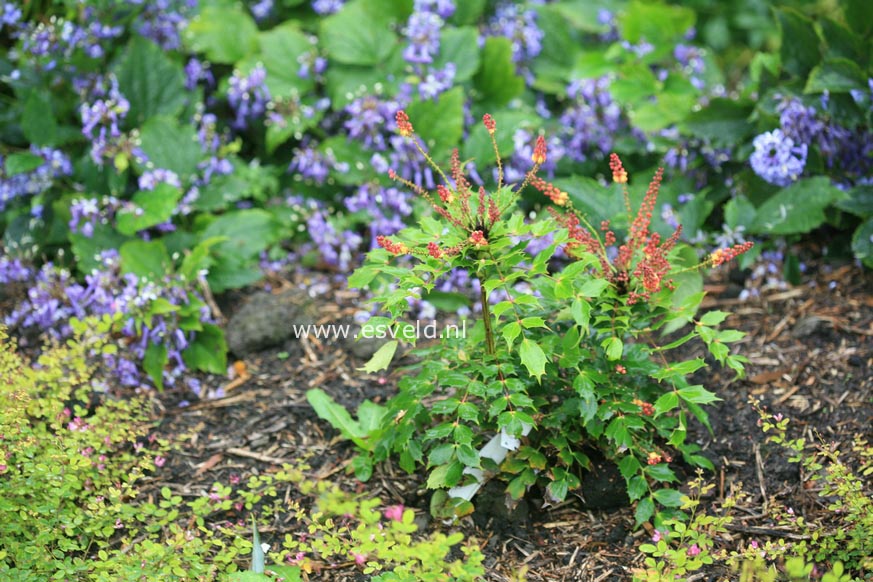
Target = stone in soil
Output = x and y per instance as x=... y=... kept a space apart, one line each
x=267 y=319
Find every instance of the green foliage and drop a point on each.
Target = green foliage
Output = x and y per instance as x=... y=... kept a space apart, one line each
x=69 y=479
x=570 y=359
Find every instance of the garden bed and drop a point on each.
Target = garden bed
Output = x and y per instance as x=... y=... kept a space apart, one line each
x=810 y=349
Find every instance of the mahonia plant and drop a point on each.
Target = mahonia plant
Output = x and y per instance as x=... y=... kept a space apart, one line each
x=566 y=359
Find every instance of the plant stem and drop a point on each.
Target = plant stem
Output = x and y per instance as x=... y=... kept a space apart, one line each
x=486 y=318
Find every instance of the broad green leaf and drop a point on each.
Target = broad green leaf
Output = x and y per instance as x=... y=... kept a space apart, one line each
x=22 y=163
x=644 y=511
x=225 y=33
x=614 y=347
x=38 y=120
x=697 y=395
x=581 y=311
x=248 y=232
x=208 y=351
x=440 y=123
x=153 y=363
x=148 y=259
x=357 y=36
x=666 y=402
x=328 y=409
x=532 y=357
x=171 y=145
x=459 y=46
x=87 y=249
x=381 y=359
x=713 y=317
x=836 y=76
x=152 y=82
x=370 y=415
x=593 y=288
x=668 y=497
x=280 y=49
x=510 y=332
x=862 y=243
x=800 y=43
x=859 y=202
x=799 y=208
x=149 y=208
x=739 y=212
x=496 y=81
x=198 y=258
x=722 y=121
x=656 y=22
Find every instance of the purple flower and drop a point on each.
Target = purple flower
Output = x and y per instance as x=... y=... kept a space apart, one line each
x=437 y=81
x=261 y=10
x=371 y=121
x=312 y=164
x=777 y=159
x=151 y=178
x=248 y=96
x=591 y=123
x=102 y=118
x=162 y=21
x=196 y=72
x=444 y=8
x=327 y=6
x=799 y=122
x=520 y=27
x=423 y=32
x=10 y=15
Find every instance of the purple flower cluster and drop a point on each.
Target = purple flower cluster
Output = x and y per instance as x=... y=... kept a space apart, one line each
x=262 y=9
x=338 y=249
x=325 y=7
x=312 y=65
x=385 y=209
x=13 y=270
x=248 y=96
x=56 y=165
x=87 y=213
x=10 y=15
x=690 y=58
x=54 y=297
x=423 y=33
x=591 y=123
x=151 y=178
x=520 y=27
x=54 y=42
x=371 y=121
x=196 y=72
x=309 y=163
x=163 y=21
x=101 y=120
x=777 y=158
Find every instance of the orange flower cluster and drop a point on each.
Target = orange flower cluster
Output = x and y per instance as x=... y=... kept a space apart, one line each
x=645 y=407
x=619 y=175
x=404 y=127
x=555 y=194
x=490 y=125
x=539 y=153
x=721 y=256
x=391 y=246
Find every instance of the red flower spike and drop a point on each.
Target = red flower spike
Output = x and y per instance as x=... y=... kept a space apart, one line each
x=392 y=174
x=619 y=175
x=477 y=239
x=404 y=127
x=481 y=210
x=721 y=256
x=391 y=246
x=493 y=212
x=445 y=194
x=555 y=194
x=433 y=250
x=489 y=123
x=539 y=154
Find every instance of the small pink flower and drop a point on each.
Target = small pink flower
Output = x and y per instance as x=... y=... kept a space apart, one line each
x=778 y=417
x=87 y=451
x=360 y=559
x=394 y=513
x=159 y=461
x=3 y=468
x=693 y=551
x=118 y=524
x=656 y=537
x=234 y=478
x=753 y=544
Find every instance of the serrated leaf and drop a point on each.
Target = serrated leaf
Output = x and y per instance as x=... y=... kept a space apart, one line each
x=613 y=347
x=152 y=82
x=381 y=359
x=147 y=259
x=644 y=511
x=532 y=357
x=357 y=36
x=666 y=402
x=510 y=332
x=328 y=409
x=208 y=351
x=836 y=76
x=171 y=145
x=697 y=395
x=225 y=33
x=668 y=497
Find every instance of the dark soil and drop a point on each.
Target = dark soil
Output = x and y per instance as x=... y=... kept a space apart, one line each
x=811 y=354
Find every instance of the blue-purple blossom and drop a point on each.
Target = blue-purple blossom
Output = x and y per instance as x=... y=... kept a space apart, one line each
x=520 y=27
x=196 y=72
x=13 y=270
x=592 y=121
x=338 y=249
x=10 y=15
x=690 y=58
x=371 y=121
x=437 y=81
x=56 y=164
x=262 y=9
x=101 y=119
x=312 y=66
x=151 y=178
x=312 y=164
x=385 y=209
x=324 y=7
x=799 y=122
x=423 y=32
x=777 y=159
x=162 y=21
x=443 y=8
x=248 y=95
